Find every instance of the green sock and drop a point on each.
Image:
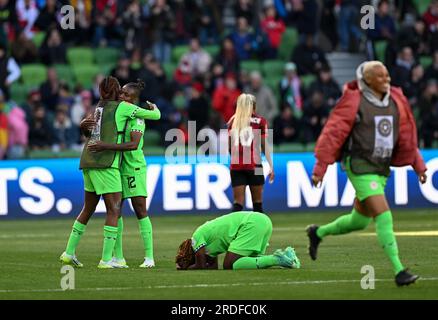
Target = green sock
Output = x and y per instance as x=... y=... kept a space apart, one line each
x=109 y=240
x=75 y=235
x=145 y=226
x=385 y=234
x=344 y=224
x=261 y=262
x=118 y=247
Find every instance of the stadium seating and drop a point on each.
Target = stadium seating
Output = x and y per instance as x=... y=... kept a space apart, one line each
x=80 y=55
x=169 y=69
x=273 y=68
x=85 y=74
x=20 y=91
x=289 y=40
x=213 y=50
x=178 y=52
x=380 y=49
x=65 y=74
x=273 y=83
x=106 y=56
x=307 y=80
x=426 y=61
x=33 y=74
x=421 y=5
x=251 y=65
x=38 y=38
x=152 y=138
x=290 y=147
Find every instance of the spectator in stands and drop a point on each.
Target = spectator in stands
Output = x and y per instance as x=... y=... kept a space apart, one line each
x=50 y=90
x=227 y=58
x=303 y=15
x=245 y=9
x=3 y=127
x=209 y=23
x=185 y=24
x=83 y=21
x=432 y=70
x=33 y=99
x=153 y=76
x=401 y=72
x=274 y=28
x=162 y=24
x=290 y=90
x=384 y=23
x=328 y=23
x=198 y=109
x=315 y=115
x=132 y=21
x=107 y=27
x=413 y=36
x=53 y=50
x=348 y=30
x=24 y=50
x=170 y=116
x=47 y=17
x=308 y=57
x=286 y=127
x=123 y=71
x=266 y=102
x=197 y=58
x=243 y=39
x=27 y=13
x=9 y=71
x=66 y=134
x=415 y=85
x=95 y=88
x=18 y=133
x=183 y=75
x=428 y=106
x=225 y=97
x=327 y=85
x=82 y=108
x=8 y=20
x=40 y=130
x=430 y=18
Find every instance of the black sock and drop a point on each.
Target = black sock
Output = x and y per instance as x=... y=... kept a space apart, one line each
x=237 y=207
x=257 y=207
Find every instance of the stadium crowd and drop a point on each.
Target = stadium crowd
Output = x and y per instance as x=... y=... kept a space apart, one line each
x=197 y=56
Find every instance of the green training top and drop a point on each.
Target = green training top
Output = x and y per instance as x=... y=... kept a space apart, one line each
x=216 y=235
x=127 y=111
x=134 y=160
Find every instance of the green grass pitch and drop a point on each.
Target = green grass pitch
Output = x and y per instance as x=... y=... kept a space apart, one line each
x=29 y=267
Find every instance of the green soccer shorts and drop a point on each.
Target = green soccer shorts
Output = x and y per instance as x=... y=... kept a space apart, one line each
x=366 y=185
x=102 y=181
x=134 y=185
x=253 y=236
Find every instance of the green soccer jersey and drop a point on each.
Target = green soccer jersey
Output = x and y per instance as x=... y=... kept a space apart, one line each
x=216 y=235
x=134 y=160
x=127 y=111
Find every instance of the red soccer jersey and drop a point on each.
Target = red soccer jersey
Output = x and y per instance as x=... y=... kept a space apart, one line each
x=246 y=149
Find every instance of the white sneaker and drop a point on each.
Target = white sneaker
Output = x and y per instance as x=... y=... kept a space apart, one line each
x=67 y=259
x=106 y=264
x=119 y=263
x=148 y=263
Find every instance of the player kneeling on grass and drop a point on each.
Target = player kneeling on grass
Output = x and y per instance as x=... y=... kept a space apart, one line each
x=371 y=128
x=243 y=236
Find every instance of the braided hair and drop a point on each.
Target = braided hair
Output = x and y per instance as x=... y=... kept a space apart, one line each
x=137 y=87
x=109 y=88
x=185 y=256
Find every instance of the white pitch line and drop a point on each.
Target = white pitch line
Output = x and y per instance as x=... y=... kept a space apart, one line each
x=204 y=285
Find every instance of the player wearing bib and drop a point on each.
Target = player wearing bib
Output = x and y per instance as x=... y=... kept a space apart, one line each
x=133 y=176
x=101 y=171
x=370 y=129
x=247 y=139
x=243 y=236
